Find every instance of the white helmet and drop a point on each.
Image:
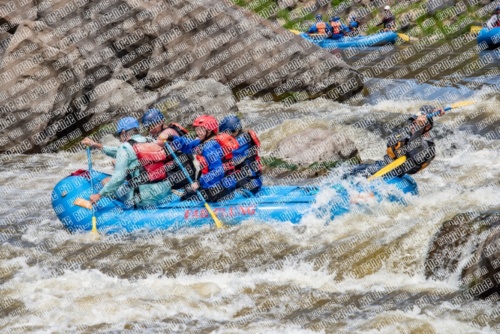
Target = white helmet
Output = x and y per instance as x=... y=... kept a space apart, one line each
x=387 y=7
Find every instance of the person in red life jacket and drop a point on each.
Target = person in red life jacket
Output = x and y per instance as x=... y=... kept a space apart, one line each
x=139 y=170
x=320 y=27
x=154 y=121
x=338 y=29
x=248 y=168
x=494 y=21
x=213 y=152
x=388 y=21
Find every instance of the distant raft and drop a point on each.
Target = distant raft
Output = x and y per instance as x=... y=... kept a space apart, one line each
x=271 y=204
x=489 y=36
x=379 y=39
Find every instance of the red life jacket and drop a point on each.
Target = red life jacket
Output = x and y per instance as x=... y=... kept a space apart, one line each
x=336 y=27
x=153 y=160
x=321 y=26
x=227 y=144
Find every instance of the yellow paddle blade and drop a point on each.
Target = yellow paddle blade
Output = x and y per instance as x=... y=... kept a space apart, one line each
x=404 y=37
x=83 y=203
x=218 y=223
x=296 y=32
x=94 y=226
x=396 y=163
x=462 y=104
x=475 y=29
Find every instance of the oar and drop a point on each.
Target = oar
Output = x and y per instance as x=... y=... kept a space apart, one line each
x=218 y=223
x=404 y=37
x=94 y=220
x=399 y=161
x=395 y=164
x=475 y=29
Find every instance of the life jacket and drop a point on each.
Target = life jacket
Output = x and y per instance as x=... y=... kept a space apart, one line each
x=178 y=128
x=153 y=159
x=321 y=26
x=228 y=144
x=252 y=158
x=336 y=27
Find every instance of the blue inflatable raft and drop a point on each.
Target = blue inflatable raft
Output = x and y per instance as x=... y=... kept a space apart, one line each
x=490 y=37
x=272 y=203
x=378 y=39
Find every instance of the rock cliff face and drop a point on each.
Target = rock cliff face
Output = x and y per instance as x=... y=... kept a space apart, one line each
x=70 y=67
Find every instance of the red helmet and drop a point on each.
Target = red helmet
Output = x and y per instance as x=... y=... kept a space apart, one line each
x=208 y=122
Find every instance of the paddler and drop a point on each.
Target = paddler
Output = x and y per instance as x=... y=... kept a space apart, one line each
x=320 y=27
x=213 y=151
x=413 y=140
x=338 y=28
x=127 y=182
x=248 y=168
x=494 y=21
x=154 y=121
x=389 y=21
x=353 y=26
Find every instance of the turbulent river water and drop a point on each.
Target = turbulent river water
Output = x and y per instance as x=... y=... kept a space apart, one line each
x=363 y=272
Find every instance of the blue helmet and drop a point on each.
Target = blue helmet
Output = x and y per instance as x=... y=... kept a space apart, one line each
x=334 y=18
x=152 y=117
x=319 y=17
x=498 y=8
x=230 y=123
x=127 y=123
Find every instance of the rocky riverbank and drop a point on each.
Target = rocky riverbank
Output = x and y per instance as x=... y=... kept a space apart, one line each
x=72 y=68
x=417 y=18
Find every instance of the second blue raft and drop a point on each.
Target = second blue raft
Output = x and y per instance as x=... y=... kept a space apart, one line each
x=378 y=39
x=490 y=37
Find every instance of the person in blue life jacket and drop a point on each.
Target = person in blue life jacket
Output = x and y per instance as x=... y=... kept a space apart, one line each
x=413 y=140
x=339 y=30
x=494 y=21
x=136 y=180
x=247 y=164
x=389 y=21
x=154 y=121
x=353 y=26
x=213 y=152
x=320 y=27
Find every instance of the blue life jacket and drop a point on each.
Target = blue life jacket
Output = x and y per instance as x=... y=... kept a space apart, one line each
x=246 y=158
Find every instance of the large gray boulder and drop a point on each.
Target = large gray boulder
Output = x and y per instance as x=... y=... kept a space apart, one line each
x=78 y=65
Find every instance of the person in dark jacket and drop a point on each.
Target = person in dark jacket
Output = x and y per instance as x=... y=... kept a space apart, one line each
x=413 y=141
x=389 y=21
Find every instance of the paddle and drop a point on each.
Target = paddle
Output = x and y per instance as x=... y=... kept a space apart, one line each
x=404 y=37
x=94 y=219
x=475 y=30
x=399 y=161
x=216 y=220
